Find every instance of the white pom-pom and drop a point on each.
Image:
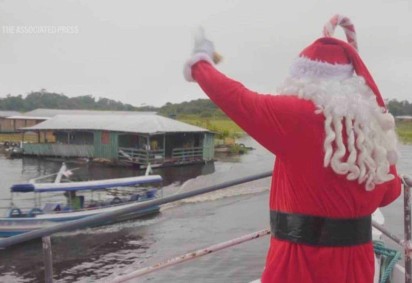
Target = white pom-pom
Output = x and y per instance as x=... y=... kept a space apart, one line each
x=387 y=121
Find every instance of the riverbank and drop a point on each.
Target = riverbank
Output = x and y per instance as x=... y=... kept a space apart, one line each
x=223 y=127
x=404 y=131
x=226 y=128
x=99 y=254
x=226 y=132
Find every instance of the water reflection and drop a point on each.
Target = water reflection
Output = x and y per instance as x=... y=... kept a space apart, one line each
x=89 y=254
x=121 y=245
x=94 y=171
x=94 y=254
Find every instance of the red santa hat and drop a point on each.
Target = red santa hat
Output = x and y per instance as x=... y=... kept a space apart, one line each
x=332 y=58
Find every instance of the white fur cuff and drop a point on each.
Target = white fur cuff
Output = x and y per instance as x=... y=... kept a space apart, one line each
x=187 y=72
x=305 y=68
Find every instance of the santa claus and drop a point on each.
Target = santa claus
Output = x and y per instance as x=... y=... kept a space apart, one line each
x=335 y=148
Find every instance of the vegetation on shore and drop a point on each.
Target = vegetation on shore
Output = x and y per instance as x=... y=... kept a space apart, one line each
x=226 y=131
x=404 y=131
x=51 y=100
x=221 y=126
x=204 y=113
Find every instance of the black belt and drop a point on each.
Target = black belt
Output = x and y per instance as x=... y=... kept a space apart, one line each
x=320 y=231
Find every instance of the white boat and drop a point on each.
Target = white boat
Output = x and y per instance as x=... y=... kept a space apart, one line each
x=45 y=214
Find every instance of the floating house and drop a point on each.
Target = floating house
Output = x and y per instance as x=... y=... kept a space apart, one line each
x=11 y=121
x=123 y=139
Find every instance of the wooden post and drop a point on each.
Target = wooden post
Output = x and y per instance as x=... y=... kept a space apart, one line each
x=48 y=261
x=148 y=151
x=407 y=228
x=164 y=148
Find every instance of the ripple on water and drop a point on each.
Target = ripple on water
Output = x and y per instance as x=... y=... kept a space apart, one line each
x=103 y=252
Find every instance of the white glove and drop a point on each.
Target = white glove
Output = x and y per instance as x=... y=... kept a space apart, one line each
x=204 y=50
x=202 y=44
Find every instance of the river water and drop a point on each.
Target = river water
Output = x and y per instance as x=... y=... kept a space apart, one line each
x=102 y=253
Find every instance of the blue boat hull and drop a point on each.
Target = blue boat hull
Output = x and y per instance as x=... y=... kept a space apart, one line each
x=15 y=226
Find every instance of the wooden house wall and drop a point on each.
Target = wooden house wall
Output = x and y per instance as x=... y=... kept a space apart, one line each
x=106 y=144
x=21 y=123
x=6 y=125
x=30 y=123
x=208 y=146
x=12 y=125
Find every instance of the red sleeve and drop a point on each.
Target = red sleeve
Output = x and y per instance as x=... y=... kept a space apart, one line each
x=267 y=118
x=393 y=189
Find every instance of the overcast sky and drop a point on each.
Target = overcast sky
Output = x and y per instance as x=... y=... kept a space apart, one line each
x=133 y=51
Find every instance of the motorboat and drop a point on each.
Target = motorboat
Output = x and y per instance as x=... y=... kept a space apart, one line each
x=113 y=194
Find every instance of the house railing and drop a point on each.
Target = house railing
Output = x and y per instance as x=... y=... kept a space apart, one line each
x=141 y=156
x=58 y=149
x=185 y=153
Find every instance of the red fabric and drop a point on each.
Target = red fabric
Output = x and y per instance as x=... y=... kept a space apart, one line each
x=328 y=53
x=288 y=127
x=335 y=51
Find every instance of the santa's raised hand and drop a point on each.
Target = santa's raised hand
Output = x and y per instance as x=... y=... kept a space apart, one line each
x=203 y=49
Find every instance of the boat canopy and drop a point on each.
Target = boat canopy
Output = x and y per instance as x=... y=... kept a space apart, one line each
x=85 y=185
x=22 y=188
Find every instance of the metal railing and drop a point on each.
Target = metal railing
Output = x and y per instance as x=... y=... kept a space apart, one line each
x=189 y=153
x=57 y=149
x=87 y=221
x=406 y=244
x=141 y=156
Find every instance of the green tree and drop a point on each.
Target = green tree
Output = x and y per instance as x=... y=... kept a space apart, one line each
x=45 y=99
x=15 y=103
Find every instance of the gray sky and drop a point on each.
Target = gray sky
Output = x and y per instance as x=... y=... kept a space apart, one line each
x=134 y=51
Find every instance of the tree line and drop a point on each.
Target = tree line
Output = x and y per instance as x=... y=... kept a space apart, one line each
x=51 y=100
x=399 y=108
x=203 y=108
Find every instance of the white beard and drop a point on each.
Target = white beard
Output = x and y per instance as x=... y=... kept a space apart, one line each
x=371 y=139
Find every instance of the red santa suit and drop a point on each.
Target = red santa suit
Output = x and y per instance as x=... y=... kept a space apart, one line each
x=312 y=176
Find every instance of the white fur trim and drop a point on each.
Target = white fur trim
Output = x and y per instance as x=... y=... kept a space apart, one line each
x=303 y=67
x=187 y=72
x=393 y=156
